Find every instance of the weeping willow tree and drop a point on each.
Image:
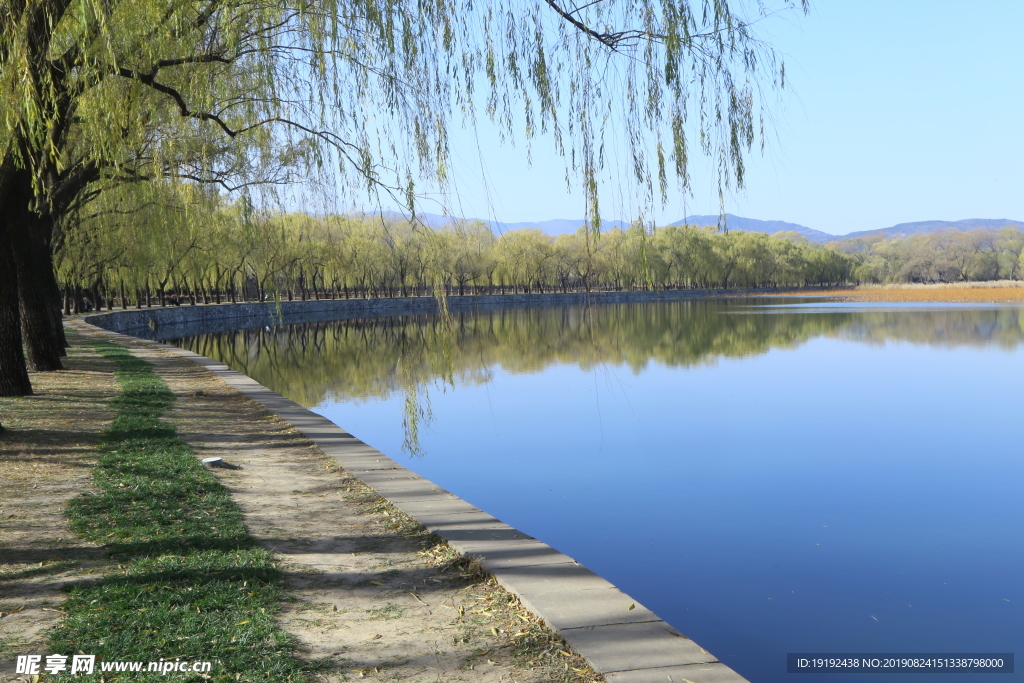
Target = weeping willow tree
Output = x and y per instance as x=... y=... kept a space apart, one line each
x=97 y=94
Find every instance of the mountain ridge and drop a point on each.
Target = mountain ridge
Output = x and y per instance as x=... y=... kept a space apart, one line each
x=561 y=226
x=931 y=226
x=733 y=222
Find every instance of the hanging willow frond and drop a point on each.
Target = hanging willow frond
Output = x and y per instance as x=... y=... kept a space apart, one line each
x=213 y=90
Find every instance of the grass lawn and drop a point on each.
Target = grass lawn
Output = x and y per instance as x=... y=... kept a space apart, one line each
x=191 y=583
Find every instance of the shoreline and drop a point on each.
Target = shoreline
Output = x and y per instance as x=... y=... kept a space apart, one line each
x=967 y=292
x=176 y=321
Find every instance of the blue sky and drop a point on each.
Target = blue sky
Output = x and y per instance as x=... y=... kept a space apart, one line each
x=894 y=112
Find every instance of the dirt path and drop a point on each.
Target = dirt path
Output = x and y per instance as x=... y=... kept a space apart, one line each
x=45 y=458
x=371 y=596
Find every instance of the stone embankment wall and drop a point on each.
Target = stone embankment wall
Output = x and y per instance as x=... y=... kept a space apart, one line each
x=178 y=321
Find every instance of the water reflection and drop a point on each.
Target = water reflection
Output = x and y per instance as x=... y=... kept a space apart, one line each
x=373 y=358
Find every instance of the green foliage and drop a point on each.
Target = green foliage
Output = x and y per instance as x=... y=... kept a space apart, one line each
x=191 y=582
x=210 y=248
x=241 y=93
x=940 y=256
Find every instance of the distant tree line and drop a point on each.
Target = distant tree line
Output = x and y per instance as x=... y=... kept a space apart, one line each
x=940 y=256
x=206 y=251
x=168 y=251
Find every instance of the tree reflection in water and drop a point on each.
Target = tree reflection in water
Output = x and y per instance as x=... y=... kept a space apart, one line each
x=374 y=358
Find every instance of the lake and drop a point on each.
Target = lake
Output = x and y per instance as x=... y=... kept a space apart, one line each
x=767 y=476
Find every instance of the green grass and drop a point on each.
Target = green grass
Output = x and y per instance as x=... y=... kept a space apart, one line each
x=388 y=611
x=191 y=582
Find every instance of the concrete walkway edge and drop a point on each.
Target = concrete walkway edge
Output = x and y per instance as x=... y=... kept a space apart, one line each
x=621 y=638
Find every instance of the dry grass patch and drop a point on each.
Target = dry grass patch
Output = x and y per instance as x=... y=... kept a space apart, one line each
x=998 y=292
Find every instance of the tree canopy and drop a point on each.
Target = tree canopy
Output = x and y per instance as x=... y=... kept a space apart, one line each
x=146 y=88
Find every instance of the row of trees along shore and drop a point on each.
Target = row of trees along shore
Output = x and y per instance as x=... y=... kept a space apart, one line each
x=238 y=256
x=234 y=254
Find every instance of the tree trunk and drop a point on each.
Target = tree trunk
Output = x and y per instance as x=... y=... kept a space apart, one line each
x=28 y=235
x=13 y=371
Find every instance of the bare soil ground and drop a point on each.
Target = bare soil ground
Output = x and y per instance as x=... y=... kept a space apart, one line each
x=371 y=596
x=45 y=456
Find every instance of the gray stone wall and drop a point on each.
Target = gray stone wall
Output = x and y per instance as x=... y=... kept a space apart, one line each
x=177 y=321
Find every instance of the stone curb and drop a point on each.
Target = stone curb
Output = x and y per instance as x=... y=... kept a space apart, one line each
x=619 y=637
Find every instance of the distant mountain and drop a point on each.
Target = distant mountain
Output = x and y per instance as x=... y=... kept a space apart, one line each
x=754 y=225
x=432 y=220
x=561 y=226
x=555 y=226
x=932 y=226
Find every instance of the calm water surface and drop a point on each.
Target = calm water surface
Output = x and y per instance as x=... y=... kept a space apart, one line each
x=767 y=478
